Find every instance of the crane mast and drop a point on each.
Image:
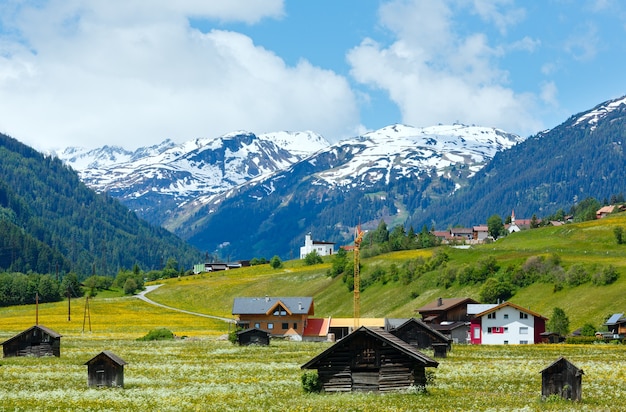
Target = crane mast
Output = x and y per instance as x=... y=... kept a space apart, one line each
x=357 y=276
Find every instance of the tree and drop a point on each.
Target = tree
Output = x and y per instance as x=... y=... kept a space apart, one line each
x=312 y=258
x=559 y=322
x=275 y=262
x=618 y=231
x=71 y=285
x=495 y=227
x=494 y=290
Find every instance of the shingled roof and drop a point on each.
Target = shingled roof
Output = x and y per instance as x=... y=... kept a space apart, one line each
x=298 y=305
x=46 y=330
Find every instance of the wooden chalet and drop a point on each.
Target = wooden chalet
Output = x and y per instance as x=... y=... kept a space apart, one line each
x=280 y=316
x=253 y=336
x=105 y=369
x=616 y=325
x=446 y=310
x=370 y=359
x=562 y=378
x=418 y=334
x=37 y=340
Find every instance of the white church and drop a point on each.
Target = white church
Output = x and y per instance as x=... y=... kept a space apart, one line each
x=310 y=245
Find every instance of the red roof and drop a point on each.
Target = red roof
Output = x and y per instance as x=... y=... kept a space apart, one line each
x=316 y=327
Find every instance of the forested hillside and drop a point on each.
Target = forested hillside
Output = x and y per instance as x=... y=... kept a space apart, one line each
x=50 y=222
x=583 y=157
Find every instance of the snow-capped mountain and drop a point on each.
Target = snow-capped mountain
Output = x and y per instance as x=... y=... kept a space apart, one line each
x=154 y=180
x=403 y=151
x=593 y=116
x=383 y=174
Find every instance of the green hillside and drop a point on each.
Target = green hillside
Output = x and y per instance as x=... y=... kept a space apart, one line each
x=591 y=247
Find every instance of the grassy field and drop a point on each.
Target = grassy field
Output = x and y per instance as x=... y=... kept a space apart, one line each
x=204 y=372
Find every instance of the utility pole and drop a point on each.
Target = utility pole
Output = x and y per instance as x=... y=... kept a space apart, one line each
x=357 y=277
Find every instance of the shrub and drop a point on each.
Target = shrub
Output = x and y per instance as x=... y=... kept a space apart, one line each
x=158 y=334
x=577 y=275
x=311 y=382
x=581 y=340
x=606 y=276
x=275 y=262
x=312 y=258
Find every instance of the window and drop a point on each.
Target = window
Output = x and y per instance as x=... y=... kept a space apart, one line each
x=257 y=325
x=495 y=329
x=491 y=315
x=285 y=325
x=506 y=342
x=295 y=325
x=506 y=330
x=523 y=315
x=506 y=316
x=523 y=330
x=476 y=333
x=523 y=342
x=270 y=326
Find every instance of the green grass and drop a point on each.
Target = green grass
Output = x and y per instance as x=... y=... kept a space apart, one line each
x=591 y=244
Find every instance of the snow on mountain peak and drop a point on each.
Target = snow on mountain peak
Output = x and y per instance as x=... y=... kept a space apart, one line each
x=594 y=115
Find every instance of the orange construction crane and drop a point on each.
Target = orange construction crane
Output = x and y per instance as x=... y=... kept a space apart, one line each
x=357 y=276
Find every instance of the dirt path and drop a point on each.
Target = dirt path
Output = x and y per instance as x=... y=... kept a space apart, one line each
x=142 y=296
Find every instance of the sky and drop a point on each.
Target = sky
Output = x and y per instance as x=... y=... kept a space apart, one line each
x=133 y=73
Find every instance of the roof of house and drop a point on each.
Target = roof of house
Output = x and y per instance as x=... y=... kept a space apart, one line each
x=418 y=323
x=448 y=326
x=110 y=355
x=316 y=327
x=462 y=230
x=297 y=305
x=474 y=308
x=253 y=330
x=615 y=318
x=606 y=209
x=513 y=305
x=446 y=304
x=481 y=228
x=562 y=360
x=49 y=331
x=379 y=334
x=349 y=322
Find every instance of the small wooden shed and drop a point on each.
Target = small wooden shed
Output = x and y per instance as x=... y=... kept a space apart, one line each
x=370 y=359
x=253 y=336
x=105 y=369
x=37 y=340
x=562 y=378
x=417 y=333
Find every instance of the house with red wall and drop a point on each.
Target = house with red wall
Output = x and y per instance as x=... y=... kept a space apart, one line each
x=506 y=323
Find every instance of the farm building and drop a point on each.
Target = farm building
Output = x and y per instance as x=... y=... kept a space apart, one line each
x=280 y=316
x=253 y=336
x=562 y=378
x=616 y=325
x=370 y=360
x=35 y=341
x=448 y=316
x=506 y=323
x=105 y=369
x=418 y=334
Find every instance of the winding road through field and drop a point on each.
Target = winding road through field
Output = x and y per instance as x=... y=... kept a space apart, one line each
x=142 y=296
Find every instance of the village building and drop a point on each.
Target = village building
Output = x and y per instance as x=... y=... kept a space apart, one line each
x=106 y=369
x=505 y=323
x=253 y=336
x=563 y=379
x=37 y=340
x=480 y=233
x=320 y=247
x=462 y=234
x=513 y=226
x=342 y=327
x=616 y=325
x=418 y=334
x=370 y=359
x=448 y=316
x=280 y=316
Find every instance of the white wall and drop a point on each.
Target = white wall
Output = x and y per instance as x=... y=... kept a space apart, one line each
x=512 y=328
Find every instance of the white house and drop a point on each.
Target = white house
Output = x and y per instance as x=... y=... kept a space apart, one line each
x=506 y=323
x=310 y=245
x=513 y=226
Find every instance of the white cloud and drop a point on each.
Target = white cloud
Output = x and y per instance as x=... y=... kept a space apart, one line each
x=436 y=76
x=491 y=11
x=134 y=73
x=583 y=45
x=549 y=94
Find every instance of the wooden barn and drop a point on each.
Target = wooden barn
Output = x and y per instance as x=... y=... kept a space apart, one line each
x=35 y=341
x=417 y=333
x=105 y=369
x=253 y=336
x=562 y=378
x=370 y=360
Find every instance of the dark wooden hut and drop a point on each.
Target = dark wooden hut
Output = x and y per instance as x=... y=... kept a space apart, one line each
x=105 y=369
x=35 y=341
x=417 y=333
x=562 y=378
x=370 y=360
x=253 y=336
